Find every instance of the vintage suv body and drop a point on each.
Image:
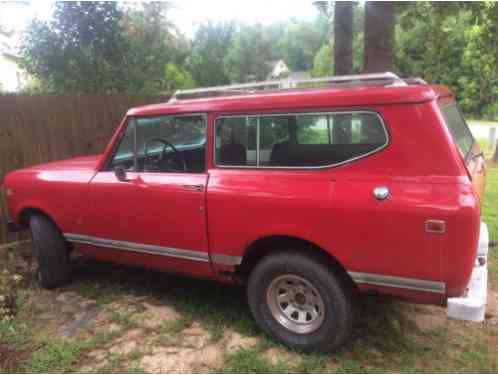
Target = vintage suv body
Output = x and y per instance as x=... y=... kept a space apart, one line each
x=307 y=195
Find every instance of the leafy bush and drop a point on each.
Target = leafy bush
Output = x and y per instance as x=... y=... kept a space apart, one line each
x=323 y=64
x=490 y=112
x=8 y=296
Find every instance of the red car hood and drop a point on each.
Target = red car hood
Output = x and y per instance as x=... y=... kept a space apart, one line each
x=83 y=163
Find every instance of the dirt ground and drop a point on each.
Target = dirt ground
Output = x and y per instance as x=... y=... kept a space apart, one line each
x=115 y=319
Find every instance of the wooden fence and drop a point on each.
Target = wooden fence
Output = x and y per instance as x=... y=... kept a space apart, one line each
x=40 y=128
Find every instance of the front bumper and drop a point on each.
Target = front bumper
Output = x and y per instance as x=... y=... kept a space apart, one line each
x=472 y=306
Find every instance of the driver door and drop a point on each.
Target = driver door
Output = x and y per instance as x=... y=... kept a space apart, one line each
x=157 y=212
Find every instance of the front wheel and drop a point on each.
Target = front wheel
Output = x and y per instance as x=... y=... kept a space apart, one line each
x=51 y=251
x=300 y=301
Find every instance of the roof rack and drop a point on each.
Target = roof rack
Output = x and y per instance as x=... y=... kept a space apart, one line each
x=247 y=88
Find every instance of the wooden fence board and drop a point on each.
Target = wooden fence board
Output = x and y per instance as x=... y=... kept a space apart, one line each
x=37 y=129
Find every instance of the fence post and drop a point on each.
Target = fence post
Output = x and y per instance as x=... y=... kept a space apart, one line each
x=495 y=155
x=492 y=138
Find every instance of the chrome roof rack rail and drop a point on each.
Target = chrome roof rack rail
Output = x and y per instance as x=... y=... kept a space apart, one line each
x=247 y=88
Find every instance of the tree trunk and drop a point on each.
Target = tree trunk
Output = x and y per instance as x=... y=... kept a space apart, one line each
x=378 y=50
x=343 y=37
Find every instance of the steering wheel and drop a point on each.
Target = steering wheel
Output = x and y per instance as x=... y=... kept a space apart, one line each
x=156 y=160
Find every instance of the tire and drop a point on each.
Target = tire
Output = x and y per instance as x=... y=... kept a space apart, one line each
x=328 y=320
x=51 y=251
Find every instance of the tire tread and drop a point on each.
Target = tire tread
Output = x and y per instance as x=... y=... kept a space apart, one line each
x=51 y=251
x=331 y=335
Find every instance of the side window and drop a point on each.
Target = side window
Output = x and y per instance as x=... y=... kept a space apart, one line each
x=179 y=131
x=274 y=134
x=163 y=144
x=340 y=129
x=313 y=129
x=124 y=153
x=236 y=141
x=306 y=140
x=458 y=128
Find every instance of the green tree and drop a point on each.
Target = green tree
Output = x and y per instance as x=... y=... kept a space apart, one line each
x=481 y=56
x=322 y=64
x=104 y=47
x=152 y=42
x=177 y=78
x=300 y=42
x=249 y=54
x=79 y=50
x=209 y=48
x=452 y=44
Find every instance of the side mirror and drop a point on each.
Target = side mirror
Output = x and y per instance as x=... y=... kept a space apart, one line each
x=120 y=173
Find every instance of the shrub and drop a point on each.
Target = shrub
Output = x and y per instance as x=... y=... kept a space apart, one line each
x=8 y=295
x=490 y=112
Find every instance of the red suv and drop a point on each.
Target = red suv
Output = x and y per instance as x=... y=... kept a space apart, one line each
x=305 y=194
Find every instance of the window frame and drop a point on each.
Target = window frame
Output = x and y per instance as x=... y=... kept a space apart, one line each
x=115 y=148
x=117 y=143
x=315 y=113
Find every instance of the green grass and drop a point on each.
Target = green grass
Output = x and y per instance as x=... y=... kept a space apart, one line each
x=56 y=356
x=490 y=211
x=482 y=122
x=124 y=319
x=484 y=145
x=251 y=360
x=174 y=327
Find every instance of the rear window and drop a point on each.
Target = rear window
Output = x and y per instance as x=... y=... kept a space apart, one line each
x=458 y=128
x=298 y=139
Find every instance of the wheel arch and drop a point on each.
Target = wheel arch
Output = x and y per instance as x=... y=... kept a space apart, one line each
x=262 y=247
x=26 y=213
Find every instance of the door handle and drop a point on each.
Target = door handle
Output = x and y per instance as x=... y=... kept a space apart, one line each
x=199 y=188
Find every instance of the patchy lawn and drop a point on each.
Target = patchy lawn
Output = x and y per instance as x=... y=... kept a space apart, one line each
x=119 y=319
x=486 y=148
x=482 y=122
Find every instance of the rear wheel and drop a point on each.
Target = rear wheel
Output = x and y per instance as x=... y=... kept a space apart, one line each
x=300 y=301
x=51 y=251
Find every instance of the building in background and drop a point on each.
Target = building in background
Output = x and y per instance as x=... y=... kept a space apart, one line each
x=280 y=71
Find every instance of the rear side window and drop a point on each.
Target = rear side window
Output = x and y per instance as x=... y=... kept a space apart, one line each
x=458 y=128
x=236 y=141
x=297 y=140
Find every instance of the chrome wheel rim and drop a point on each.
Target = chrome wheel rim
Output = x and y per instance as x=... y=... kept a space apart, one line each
x=296 y=304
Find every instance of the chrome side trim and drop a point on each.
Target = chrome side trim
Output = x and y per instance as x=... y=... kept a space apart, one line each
x=398 y=282
x=228 y=260
x=195 y=255
x=139 y=248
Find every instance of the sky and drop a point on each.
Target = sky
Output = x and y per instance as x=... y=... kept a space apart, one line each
x=187 y=14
